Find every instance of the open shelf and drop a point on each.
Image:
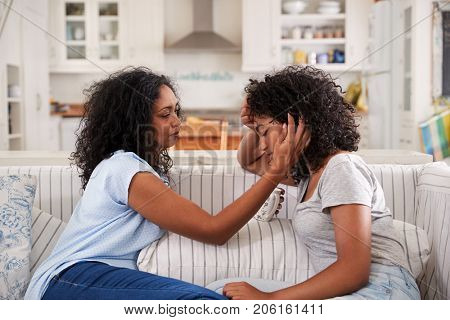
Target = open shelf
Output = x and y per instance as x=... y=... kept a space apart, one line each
x=14 y=100
x=13 y=109
x=312 y=17
x=14 y=136
x=330 y=41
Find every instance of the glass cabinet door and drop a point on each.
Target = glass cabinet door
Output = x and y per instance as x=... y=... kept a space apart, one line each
x=108 y=30
x=75 y=24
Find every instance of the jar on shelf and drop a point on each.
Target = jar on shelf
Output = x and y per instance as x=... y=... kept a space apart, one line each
x=287 y=56
x=322 y=58
x=308 y=33
x=296 y=32
x=329 y=32
x=339 y=32
x=312 y=58
x=318 y=33
x=284 y=33
x=299 y=57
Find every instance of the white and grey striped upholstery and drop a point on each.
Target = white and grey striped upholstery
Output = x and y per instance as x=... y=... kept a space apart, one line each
x=45 y=231
x=433 y=215
x=413 y=193
x=259 y=250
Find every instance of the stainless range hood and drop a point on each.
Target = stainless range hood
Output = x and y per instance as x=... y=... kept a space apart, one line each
x=203 y=38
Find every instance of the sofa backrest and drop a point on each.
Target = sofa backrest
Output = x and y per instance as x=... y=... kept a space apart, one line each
x=213 y=187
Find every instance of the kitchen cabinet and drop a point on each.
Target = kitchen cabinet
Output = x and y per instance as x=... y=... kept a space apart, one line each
x=258 y=35
x=24 y=84
x=412 y=62
x=273 y=38
x=105 y=35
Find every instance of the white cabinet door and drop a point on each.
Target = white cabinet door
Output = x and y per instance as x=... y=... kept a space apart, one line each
x=403 y=114
x=70 y=26
x=35 y=76
x=145 y=34
x=259 y=51
x=357 y=32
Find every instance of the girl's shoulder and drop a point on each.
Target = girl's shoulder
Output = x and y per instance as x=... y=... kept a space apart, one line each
x=348 y=158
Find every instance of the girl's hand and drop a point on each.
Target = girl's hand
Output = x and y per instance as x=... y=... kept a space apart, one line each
x=244 y=291
x=246 y=119
x=289 y=147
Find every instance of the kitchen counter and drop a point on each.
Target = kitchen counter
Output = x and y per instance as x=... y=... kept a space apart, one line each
x=74 y=111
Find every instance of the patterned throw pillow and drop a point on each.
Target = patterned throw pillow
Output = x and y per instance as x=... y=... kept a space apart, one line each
x=16 y=201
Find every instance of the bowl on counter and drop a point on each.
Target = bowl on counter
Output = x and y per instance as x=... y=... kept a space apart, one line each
x=293 y=6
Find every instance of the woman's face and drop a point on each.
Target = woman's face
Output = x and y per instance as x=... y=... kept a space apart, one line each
x=165 y=118
x=269 y=132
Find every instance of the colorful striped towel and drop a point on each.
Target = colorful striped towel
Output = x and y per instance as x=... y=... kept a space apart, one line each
x=435 y=136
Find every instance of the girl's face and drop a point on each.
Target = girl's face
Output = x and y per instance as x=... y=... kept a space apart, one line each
x=165 y=118
x=269 y=132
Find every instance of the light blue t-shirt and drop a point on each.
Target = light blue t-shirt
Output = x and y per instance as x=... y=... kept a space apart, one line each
x=103 y=227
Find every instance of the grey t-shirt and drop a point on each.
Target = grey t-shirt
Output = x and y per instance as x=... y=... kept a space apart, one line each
x=346 y=179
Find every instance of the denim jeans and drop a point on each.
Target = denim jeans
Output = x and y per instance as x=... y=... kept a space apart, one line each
x=385 y=283
x=98 y=281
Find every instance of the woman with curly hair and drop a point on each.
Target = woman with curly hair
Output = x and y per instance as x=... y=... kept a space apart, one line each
x=131 y=118
x=341 y=216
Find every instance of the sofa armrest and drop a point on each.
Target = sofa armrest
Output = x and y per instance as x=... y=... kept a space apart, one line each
x=433 y=215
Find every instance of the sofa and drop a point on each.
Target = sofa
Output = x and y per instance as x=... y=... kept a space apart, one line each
x=417 y=194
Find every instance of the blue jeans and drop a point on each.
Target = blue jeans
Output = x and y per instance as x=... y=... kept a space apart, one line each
x=386 y=283
x=98 y=281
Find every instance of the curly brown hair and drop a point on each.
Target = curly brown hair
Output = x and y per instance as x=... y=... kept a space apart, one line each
x=312 y=95
x=118 y=114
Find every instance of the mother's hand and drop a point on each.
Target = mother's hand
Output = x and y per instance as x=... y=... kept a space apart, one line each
x=289 y=147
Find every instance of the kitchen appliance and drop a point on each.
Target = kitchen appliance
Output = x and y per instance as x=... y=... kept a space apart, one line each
x=202 y=38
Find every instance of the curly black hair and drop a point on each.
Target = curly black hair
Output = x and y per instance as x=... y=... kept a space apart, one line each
x=312 y=95
x=118 y=113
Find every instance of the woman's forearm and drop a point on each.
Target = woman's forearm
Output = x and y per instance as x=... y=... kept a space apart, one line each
x=338 y=279
x=249 y=150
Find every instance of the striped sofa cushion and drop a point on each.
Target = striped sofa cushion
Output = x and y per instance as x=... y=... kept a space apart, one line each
x=268 y=250
x=433 y=215
x=265 y=250
x=45 y=231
